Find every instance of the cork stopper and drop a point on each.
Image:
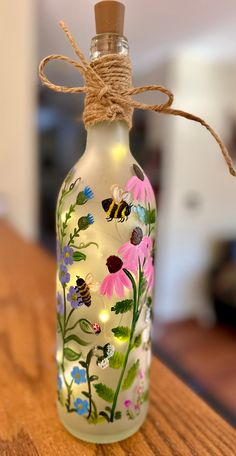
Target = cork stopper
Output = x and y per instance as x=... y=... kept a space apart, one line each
x=109 y=17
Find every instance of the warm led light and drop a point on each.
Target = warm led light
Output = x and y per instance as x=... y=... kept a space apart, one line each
x=119 y=151
x=104 y=316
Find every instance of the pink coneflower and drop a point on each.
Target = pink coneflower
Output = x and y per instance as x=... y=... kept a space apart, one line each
x=142 y=189
x=136 y=249
x=148 y=270
x=116 y=281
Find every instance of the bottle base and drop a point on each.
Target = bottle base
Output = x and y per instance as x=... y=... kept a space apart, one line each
x=102 y=438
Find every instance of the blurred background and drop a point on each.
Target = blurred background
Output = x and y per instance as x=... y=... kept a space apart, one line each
x=190 y=47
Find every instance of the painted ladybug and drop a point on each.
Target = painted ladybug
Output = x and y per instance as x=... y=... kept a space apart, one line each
x=96 y=328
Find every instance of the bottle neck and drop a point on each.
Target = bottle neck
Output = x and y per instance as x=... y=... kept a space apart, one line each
x=108 y=43
x=108 y=136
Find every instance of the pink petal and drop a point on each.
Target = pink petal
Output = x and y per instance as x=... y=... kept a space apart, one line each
x=119 y=287
x=137 y=190
x=124 y=279
x=124 y=248
x=142 y=193
x=147 y=240
x=107 y=286
x=131 y=183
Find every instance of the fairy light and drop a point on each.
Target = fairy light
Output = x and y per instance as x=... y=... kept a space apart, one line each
x=119 y=152
x=104 y=316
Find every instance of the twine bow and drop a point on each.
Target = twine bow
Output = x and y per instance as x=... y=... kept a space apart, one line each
x=108 y=89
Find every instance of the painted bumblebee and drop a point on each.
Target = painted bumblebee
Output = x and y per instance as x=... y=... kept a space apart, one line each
x=118 y=207
x=83 y=288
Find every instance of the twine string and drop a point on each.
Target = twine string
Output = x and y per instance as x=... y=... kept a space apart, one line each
x=108 y=88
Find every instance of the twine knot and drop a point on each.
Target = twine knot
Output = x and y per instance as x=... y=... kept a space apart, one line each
x=108 y=88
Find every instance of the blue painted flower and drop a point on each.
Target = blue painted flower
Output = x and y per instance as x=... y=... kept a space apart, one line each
x=60 y=304
x=64 y=275
x=90 y=219
x=74 y=298
x=88 y=193
x=59 y=383
x=81 y=406
x=67 y=255
x=79 y=375
x=85 y=221
x=141 y=213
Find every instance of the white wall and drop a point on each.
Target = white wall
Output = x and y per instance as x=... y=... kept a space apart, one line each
x=18 y=152
x=193 y=167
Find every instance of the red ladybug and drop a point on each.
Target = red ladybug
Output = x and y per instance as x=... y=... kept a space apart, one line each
x=96 y=328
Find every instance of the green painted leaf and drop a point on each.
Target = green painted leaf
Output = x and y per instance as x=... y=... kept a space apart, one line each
x=108 y=409
x=145 y=396
x=79 y=256
x=95 y=419
x=83 y=364
x=85 y=393
x=103 y=391
x=93 y=378
x=123 y=306
x=77 y=339
x=117 y=360
x=86 y=326
x=137 y=341
x=71 y=355
x=105 y=415
x=149 y=302
x=122 y=333
x=118 y=415
x=131 y=375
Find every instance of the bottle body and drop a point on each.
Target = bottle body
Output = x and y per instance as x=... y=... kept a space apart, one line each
x=105 y=243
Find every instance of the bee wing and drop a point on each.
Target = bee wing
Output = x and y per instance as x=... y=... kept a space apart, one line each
x=89 y=278
x=126 y=196
x=94 y=286
x=117 y=193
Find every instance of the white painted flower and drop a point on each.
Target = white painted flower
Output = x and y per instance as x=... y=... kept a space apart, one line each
x=146 y=334
x=110 y=350
x=104 y=363
x=148 y=315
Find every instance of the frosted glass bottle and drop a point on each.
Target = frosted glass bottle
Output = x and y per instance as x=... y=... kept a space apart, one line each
x=105 y=242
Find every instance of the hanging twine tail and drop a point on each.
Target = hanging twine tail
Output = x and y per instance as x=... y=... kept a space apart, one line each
x=109 y=91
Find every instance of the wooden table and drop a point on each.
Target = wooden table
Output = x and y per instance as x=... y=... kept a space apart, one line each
x=179 y=423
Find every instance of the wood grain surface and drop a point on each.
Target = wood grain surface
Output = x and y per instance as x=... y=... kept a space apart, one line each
x=178 y=423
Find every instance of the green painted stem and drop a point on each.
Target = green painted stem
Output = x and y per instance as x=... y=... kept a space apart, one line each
x=134 y=321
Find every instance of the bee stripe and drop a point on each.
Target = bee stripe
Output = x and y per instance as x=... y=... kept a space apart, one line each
x=117 y=211
x=123 y=213
x=110 y=209
x=113 y=211
x=122 y=207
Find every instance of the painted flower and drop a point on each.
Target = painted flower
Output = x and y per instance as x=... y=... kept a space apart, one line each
x=146 y=335
x=64 y=275
x=148 y=270
x=116 y=281
x=85 y=195
x=127 y=403
x=140 y=185
x=74 y=298
x=109 y=350
x=103 y=363
x=67 y=255
x=85 y=221
x=136 y=249
x=79 y=375
x=59 y=383
x=81 y=406
x=60 y=304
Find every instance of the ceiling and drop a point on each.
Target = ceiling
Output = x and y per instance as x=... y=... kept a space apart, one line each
x=155 y=29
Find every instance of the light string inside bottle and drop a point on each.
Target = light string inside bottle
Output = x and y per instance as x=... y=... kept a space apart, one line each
x=108 y=89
